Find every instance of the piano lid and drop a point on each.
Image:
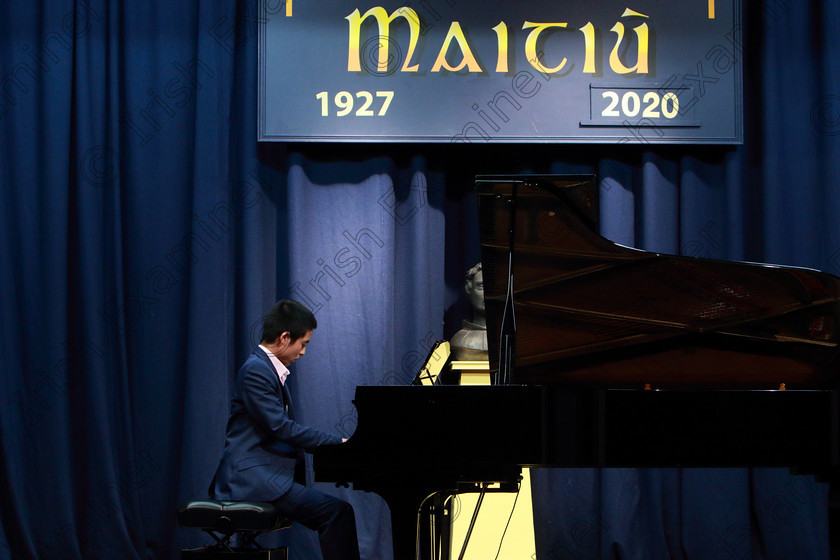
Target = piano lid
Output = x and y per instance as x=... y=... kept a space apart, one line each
x=590 y=311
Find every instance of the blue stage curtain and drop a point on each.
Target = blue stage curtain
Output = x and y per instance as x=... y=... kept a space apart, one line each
x=144 y=232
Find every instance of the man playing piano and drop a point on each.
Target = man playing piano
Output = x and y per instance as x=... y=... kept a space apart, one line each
x=263 y=458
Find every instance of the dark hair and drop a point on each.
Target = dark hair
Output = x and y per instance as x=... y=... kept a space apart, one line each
x=287 y=315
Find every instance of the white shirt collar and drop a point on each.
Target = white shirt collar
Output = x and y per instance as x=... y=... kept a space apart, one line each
x=282 y=371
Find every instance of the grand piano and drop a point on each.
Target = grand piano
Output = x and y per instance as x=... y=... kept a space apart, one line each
x=605 y=356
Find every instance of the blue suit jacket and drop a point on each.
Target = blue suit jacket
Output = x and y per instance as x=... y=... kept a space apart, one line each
x=263 y=442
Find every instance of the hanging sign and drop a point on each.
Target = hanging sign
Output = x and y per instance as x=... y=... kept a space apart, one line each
x=478 y=71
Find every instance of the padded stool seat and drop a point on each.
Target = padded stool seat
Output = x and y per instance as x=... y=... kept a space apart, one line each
x=223 y=520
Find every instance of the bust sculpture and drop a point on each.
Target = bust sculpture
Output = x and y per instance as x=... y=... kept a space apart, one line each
x=470 y=343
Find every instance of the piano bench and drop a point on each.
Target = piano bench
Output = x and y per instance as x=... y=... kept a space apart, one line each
x=235 y=527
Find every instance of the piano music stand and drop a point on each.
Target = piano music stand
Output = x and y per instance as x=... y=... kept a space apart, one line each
x=436 y=363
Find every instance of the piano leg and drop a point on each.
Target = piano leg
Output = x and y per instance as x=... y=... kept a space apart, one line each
x=410 y=543
x=434 y=528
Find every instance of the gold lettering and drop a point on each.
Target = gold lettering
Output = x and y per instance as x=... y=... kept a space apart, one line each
x=502 y=37
x=468 y=60
x=383 y=21
x=531 y=46
x=641 y=31
x=456 y=40
x=588 y=31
